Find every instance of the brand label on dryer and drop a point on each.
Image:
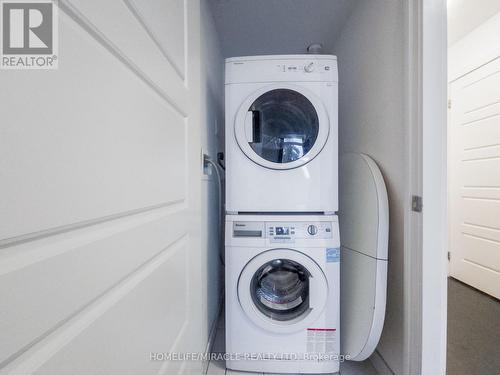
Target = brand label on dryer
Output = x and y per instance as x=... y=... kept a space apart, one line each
x=333 y=254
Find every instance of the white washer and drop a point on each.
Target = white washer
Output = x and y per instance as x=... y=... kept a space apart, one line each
x=282 y=280
x=282 y=293
x=282 y=134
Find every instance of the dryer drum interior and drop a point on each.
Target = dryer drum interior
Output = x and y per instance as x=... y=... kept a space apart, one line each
x=285 y=126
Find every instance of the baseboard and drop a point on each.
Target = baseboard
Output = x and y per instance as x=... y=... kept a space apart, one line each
x=380 y=364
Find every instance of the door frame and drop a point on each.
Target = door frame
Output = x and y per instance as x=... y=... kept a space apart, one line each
x=425 y=239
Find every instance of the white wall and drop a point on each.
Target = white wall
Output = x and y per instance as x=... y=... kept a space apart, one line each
x=370 y=52
x=101 y=257
x=212 y=115
x=273 y=27
x=465 y=15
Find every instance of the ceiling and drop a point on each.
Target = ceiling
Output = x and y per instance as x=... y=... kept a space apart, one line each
x=465 y=15
x=263 y=27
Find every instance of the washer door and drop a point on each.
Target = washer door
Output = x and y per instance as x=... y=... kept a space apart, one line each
x=282 y=290
x=282 y=126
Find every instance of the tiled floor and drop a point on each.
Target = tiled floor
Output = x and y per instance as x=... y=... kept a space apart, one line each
x=219 y=368
x=473 y=331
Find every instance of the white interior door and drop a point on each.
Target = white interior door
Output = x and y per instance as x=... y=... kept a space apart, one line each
x=100 y=195
x=474 y=176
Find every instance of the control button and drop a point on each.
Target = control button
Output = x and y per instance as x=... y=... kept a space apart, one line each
x=309 y=68
x=328 y=230
x=312 y=230
x=327 y=67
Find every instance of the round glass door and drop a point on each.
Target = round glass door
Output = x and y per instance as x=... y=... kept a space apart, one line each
x=282 y=127
x=282 y=290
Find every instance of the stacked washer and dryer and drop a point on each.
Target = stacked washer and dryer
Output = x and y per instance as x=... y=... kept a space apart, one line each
x=283 y=249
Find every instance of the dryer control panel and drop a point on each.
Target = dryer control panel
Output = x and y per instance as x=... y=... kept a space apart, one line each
x=283 y=231
x=284 y=68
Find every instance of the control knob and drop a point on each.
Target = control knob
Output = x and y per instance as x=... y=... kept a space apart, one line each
x=309 y=68
x=312 y=229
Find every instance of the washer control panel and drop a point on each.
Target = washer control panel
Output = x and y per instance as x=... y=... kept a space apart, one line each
x=283 y=231
x=276 y=231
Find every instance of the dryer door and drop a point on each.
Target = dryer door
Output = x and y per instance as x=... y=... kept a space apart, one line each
x=282 y=126
x=364 y=227
x=282 y=290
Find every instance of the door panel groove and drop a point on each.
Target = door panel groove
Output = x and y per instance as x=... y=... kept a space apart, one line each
x=18 y=240
x=492 y=187
x=474 y=122
x=48 y=344
x=480 y=238
x=481 y=147
x=486 y=158
x=81 y=20
x=481 y=226
x=481 y=79
x=173 y=349
x=480 y=198
x=29 y=253
x=481 y=266
x=137 y=14
x=481 y=107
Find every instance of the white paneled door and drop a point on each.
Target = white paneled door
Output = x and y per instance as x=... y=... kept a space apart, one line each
x=100 y=195
x=474 y=176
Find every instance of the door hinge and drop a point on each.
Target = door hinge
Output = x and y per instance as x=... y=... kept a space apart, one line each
x=416 y=203
x=449 y=256
x=449 y=103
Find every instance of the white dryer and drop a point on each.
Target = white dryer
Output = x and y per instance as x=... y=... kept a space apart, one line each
x=282 y=134
x=282 y=293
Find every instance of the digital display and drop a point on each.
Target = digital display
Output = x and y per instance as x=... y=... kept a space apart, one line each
x=282 y=231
